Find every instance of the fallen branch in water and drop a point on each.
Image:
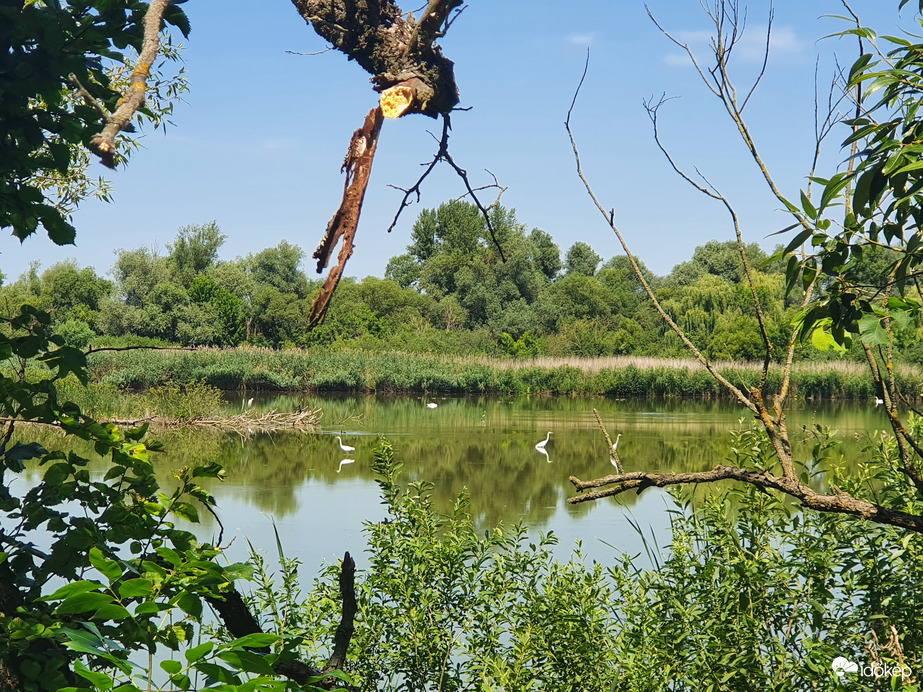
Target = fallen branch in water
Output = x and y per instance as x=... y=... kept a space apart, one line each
x=244 y=424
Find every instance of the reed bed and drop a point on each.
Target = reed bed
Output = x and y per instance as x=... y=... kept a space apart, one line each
x=363 y=371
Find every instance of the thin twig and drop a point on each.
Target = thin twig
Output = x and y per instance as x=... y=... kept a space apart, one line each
x=442 y=154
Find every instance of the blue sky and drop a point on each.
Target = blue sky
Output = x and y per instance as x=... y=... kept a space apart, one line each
x=257 y=144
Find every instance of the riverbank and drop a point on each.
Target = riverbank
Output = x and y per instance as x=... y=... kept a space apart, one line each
x=361 y=371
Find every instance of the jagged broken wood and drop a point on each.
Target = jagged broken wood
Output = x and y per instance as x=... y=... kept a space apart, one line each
x=358 y=167
x=239 y=622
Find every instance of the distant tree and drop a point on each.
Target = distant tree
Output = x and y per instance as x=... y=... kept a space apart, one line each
x=195 y=250
x=720 y=258
x=581 y=259
x=452 y=255
x=547 y=254
x=137 y=272
x=279 y=267
x=225 y=313
x=404 y=269
x=70 y=293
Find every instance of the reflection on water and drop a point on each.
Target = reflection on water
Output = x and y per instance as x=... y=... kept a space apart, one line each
x=484 y=445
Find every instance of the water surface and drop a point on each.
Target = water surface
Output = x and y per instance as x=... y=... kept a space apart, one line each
x=486 y=447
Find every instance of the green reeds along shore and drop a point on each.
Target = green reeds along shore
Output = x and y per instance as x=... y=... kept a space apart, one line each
x=361 y=371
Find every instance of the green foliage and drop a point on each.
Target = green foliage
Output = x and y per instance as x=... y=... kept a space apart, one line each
x=195 y=250
x=184 y=402
x=752 y=594
x=444 y=607
x=75 y=333
x=524 y=347
x=115 y=575
x=581 y=259
x=865 y=229
x=45 y=127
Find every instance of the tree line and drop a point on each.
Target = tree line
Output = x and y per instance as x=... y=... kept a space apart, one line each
x=449 y=292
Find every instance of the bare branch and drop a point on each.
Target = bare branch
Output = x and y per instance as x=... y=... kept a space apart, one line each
x=838 y=502
x=759 y=77
x=610 y=218
x=711 y=191
x=613 y=448
x=723 y=87
x=319 y=52
x=442 y=154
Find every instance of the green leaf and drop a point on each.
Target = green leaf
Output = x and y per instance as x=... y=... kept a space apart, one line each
x=186 y=511
x=82 y=603
x=175 y=16
x=809 y=208
x=172 y=667
x=57 y=474
x=871 y=332
x=136 y=588
x=247 y=661
x=823 y=340
x=113 y=611
x=198 y=652
x=110 y=568
x=256 y=640
x=76 y=587
x=100 y=681
x=190 y=604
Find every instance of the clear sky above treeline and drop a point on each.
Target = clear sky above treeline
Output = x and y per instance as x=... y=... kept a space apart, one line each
x=257 y=145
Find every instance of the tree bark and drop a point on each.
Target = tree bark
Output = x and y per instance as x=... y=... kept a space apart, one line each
x=391 y=46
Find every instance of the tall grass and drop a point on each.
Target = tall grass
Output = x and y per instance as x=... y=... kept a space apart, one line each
x=363 y=371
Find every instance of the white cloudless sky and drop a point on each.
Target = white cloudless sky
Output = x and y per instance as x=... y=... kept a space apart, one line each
x=258 y=142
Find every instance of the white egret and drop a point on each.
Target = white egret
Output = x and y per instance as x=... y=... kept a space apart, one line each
x=541 y=445
x=432 y=404
x=250 y=402
x=614 y=457
x=879 y=402
x=344 y=462
x=345 y=448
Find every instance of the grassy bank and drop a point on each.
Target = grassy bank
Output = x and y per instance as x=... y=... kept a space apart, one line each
x=357 y=371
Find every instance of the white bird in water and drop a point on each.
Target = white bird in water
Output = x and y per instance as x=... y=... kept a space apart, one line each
x=614 y=457
x=879 y=402
x=250 y=402
x=344 y=462
x=345 y=448
x=541 y=445
x=432 y=404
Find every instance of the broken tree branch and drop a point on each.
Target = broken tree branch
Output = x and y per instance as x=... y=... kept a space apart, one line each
x=391 y=46
x=358 y=168
x=344 y=631
x=239 y=622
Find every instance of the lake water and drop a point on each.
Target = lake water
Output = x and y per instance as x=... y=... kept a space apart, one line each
x=484 y=445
